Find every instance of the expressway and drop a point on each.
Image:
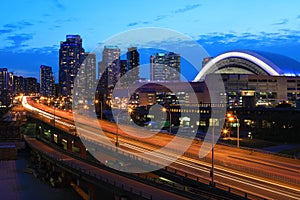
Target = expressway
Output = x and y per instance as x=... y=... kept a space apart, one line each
x=263 y=175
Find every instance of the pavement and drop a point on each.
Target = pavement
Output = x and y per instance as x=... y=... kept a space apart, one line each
x=15 y=184
x=282 y=147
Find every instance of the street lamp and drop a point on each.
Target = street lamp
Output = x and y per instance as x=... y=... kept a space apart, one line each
x=225 y=132
x=101 y=112
x=213 y=122
x=117 y=128
x=170 y=118
x=231 y=118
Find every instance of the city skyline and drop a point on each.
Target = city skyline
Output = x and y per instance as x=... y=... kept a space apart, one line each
x=25 y=45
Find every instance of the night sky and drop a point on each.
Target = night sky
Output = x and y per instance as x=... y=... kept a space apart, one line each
x=31 y=31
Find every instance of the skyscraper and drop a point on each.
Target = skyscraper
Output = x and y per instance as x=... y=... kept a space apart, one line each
x=133 y=62
x=123 y=67
x=4 y=75
x=18 y=84
x=109 y=73
x=46 y=81
x=165 y=67
x=30 y=85
x=70 y=57
x=110 y=64
x=86 y=79
x=90 y=70
x=4 y=87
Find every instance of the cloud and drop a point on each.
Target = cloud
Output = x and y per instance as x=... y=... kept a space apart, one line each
x=157 y=18
x=285 y=42
x=68 y=20
x=7 y=28
x=281 y=22
x=19 y=40
x=27 y=62
x=187 y=8
x=133 y=24
x=10 y=26
x=160 y=17
x=137 y=23
x=3 y=31
x=59 y=5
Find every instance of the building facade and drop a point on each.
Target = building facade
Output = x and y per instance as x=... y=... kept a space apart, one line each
x=46 y=81
x=109 y=74
x=30 y=85
x=6 y=86
x=133 y=64
x=85 y=84
x=19 y=85
x=165 y=67
x=71 y=55
x=254 y=79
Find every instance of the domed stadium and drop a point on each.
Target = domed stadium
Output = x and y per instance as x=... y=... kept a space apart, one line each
x=269 y=78
x=250 y=62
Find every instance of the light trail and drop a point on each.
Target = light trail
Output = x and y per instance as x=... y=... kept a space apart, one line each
x=201 y=166
x=205 y=167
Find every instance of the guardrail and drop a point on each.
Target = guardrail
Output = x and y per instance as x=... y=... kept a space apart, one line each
x=218 y=162
x=67 y=164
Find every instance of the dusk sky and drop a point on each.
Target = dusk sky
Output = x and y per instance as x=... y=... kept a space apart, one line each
x=30 y=31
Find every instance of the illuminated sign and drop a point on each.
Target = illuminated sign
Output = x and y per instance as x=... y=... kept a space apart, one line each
x=248 y=93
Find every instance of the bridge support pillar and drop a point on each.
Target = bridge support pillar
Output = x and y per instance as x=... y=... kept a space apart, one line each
x=52 y=137
x=59 y=140
x=69 y=145
x=83 y=151
x=91 y=193
x=81 y=147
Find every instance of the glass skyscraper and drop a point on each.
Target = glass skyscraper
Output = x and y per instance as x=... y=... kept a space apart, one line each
x=46 y=81
x=165 y=67
x=71 y=55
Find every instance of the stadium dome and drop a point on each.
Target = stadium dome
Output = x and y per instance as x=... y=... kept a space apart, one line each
x=250 y=62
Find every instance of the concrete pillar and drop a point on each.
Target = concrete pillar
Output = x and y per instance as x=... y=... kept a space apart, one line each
x=59 y=140
x=91 y=193
x=83 y=151
x=69 y=145
x=81 y=147
x=52 y=137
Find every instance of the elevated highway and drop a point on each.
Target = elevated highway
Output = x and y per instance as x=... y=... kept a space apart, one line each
x=250 y=174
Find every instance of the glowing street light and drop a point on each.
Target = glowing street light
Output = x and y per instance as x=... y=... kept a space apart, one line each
x=232 y=118
x=170 y=118
x=226 y=132
x=101 y=112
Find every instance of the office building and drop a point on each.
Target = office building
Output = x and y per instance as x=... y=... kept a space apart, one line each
x=5 y=86
x=110 y=64
x=18 y=85
x=165 y=67
x=109 y=73
x=133 y=64
x=46 y=81
x=71 y=55
x=86 y=80
x=30 y=86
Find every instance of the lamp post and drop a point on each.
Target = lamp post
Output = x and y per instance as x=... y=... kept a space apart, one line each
x=231 y=118
x=213 y=122
x=117 y=128
x=101 y=111
x=170 y=118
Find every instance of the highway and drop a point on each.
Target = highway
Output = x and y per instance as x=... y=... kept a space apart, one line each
x=263 y=175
